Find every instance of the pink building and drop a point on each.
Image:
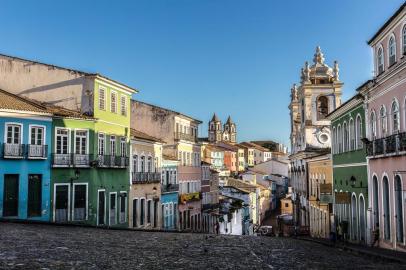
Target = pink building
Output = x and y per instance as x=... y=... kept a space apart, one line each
x=385 y=109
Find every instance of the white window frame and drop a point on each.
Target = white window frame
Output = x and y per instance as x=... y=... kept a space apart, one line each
x=123 y=141
x=54 y=202
x=123 y=105
x=113 y=141
x=73 y=200
x=115 y=103
x=44 y=130
x=380 y=59
x=98 y=144
x=104 y=89
x=87 y=140
x=126 y=208
x=69 y=142
x=115 y=216
x=13 y=124
x=391 y=37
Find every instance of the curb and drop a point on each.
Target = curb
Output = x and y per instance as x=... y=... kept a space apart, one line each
x=357 y=250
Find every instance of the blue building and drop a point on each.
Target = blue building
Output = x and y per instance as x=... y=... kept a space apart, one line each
x=169 y=193
x=25 y=134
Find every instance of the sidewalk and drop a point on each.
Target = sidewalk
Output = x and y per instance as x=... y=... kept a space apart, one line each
x=385 y=254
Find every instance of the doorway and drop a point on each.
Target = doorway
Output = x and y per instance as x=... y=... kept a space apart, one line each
x=10 y=199
x=61 y=203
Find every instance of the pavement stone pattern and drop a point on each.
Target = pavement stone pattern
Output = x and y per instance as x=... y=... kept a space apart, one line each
x=34 y=246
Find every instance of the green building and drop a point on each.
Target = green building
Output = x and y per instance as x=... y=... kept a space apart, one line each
x=350 y=178
x=90 y=174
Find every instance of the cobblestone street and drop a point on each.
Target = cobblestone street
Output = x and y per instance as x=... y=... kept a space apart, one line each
x=56 y=247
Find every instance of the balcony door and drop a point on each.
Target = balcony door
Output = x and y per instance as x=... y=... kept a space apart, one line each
x=10 y=199
x=81 y=140
x=13 y=140
x=36 y=148
x=62 y=147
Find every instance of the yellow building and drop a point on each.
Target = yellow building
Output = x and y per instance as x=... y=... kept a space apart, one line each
x=286 y=205
x=320 y=195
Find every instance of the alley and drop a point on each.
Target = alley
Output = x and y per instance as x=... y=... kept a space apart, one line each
x=57 y=247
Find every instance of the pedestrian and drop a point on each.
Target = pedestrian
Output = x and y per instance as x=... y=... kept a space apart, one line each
x=217 y=228
x=376 y=235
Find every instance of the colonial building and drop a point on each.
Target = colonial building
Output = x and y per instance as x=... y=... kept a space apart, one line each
x=218 y=132
x=90 y=149
x=261 y=154
x=145 y=191
x=350 y=174
x=385 y=106
x=210 y=198
x=179 y=132
x=170 y=193
x=318 y=94
x=25 y=162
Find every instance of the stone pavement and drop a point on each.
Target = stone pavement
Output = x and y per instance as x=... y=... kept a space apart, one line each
x=33 y=246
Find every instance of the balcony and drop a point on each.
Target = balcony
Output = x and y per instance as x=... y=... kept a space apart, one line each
x=13 y=151
x=185 y=137
x=146 y=177
x=37 y=151
x=107 y=161
x=71 y=160
x=169 y=188
x=210 y=206
x=388 y=146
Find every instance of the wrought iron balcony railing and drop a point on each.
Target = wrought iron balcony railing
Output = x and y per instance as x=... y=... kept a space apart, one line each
x=393 y=144
x=108 y=161
x=169 y=188
x=146 y=177
x=185 y=137
x=37 y=151
x=71 y=160
x=11 y=150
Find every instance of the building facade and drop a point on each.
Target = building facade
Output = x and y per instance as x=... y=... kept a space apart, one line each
x=350 y=174
x=385 y=103
x=318 y=94
x=170 y=193
x=25 y=161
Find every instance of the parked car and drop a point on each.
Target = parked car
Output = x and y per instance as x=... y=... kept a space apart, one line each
x=265 y=230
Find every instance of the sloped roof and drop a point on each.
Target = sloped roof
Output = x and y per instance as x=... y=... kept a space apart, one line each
x=10 y=101
x=63 y=112
x=136 y=134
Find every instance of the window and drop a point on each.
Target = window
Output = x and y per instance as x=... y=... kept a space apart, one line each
x=102 y=99
x=13 y=134
x=123 y=147
x=113 y=102
x=123 y=207
x=334 y=140
x=123 y=105
x=395 y=117
x=113 y=208
x=79 y=202
x=142 y=212
x=339 y=139
x=135 y=212
x=352 y=135
x=143 y=164
x=62 y=140
x=101 y=144
x=149 y=164
x=380 y=61
x=392 y=51
x=112 y=145
x=34 y=195
x=373 y=125
x=81 y=142
x=135 y=163
x=404 y=39
x=345 y=137
x=322 y=107
x=383 y=121
x=149 y=211
x=358 y=131
x=37 y=135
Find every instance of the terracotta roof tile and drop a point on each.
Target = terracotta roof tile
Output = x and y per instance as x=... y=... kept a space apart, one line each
x=141 y=135
x=10 y=101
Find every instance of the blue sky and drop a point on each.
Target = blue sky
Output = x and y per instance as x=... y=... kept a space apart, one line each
x=234 y=57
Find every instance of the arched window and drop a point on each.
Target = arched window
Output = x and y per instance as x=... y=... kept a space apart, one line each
x=142 y=164
x=392 y=51
x=322 y=107
x=395 y=117
x=380 y=61
x=352 y=135
x=345 y=137
x=399 y=209
x=386 y=213
x=334 y=140
x=339 y=139
x=358 y=132
x=135 y=163
x=404 y=39
x=373 y=125
x=375 y=202
x=384 y=122
x=149 y=164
